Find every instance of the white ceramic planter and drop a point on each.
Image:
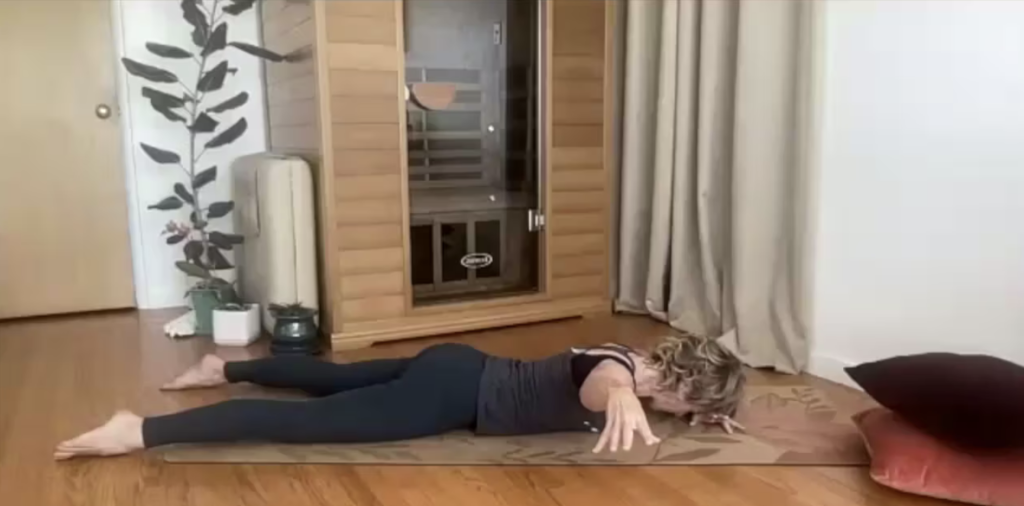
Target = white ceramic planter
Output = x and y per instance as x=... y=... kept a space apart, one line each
x=236 y=328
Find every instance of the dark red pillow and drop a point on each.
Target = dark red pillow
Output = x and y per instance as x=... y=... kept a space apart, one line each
x=907 y=459
x=975 y=401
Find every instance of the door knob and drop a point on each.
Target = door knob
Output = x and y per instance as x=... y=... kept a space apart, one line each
x=103 y=111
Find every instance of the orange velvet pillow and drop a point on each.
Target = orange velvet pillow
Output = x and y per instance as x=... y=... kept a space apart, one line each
x=906 y=459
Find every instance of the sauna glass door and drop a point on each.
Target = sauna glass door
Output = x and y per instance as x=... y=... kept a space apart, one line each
x=472 y=107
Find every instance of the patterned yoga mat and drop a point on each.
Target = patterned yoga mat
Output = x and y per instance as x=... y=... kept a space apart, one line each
x=796 y=424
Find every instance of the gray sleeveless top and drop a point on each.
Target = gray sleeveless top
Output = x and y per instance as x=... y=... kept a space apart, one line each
x=532 y=397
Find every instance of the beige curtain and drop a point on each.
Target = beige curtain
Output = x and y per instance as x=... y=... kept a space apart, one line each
x=710 y=166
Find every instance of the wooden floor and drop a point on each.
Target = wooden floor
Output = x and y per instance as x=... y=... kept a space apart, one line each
x=60 y=376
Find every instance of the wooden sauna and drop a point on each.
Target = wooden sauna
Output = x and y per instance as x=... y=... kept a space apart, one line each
x=461 y=151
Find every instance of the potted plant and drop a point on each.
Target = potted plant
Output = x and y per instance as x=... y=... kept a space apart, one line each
x=236 y=324
x=295 y=330
x=196 y=106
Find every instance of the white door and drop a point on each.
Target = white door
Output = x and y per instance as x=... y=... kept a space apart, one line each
x=64 y=243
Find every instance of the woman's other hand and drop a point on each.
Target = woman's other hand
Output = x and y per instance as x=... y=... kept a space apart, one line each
x=624 y=416
x=726 y=422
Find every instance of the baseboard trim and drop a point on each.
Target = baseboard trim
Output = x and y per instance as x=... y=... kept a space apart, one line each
x=831 y=368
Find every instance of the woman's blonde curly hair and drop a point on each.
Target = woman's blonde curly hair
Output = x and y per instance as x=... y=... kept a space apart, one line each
x=711 y=375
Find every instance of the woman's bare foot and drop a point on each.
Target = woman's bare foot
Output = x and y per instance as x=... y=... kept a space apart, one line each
x=209 y=372
x=121 y=434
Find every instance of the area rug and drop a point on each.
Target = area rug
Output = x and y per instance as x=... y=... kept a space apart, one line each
x=785 y=425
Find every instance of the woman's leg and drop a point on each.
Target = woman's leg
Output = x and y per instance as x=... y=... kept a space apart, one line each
x=313 y=376
x=436 y=394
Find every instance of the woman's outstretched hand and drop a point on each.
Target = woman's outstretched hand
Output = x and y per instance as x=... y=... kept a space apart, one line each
x=624 y=416
x=726 y=422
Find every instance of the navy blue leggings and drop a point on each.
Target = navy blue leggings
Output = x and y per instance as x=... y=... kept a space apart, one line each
x=376 y=400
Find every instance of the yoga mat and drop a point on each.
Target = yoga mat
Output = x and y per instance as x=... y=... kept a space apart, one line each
x=786 y=425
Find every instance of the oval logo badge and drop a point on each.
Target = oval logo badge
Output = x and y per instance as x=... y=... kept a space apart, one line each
x=477 y=260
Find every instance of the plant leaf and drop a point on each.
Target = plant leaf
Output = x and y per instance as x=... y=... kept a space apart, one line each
x=148 y=72
x=257 y=51
x=225 y=241
x=218 y=40
x=216 y=258
x=167 y=113
x=159 y=155
x=205 y=177
x=231 y=103
x=194 y=251
x=204 y=124
x=213 y=79
x=166 y=51
x=183 y=194
x=194 y=16
x=228 y=136
x=192 y=269
x=157 y=97
x=168 y=204
x=175 y=239
x=239 y=6
x=219 y=209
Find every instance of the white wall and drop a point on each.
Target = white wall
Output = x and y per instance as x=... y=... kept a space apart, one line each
x=919 y=240
x=158 y=283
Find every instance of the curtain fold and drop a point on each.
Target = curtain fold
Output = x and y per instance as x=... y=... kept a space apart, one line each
x=709 y=168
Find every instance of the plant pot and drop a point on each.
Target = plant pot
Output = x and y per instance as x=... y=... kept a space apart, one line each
x=233 y=327
x=295 y=335
x=204 y=300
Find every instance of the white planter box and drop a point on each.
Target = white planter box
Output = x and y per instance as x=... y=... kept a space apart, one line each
x=236 y=328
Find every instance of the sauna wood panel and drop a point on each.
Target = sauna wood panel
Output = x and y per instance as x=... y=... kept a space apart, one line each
x=568 y=90
x=370 y=110
x=286 y=71
x=356 y=237
x=296 y=113
x=367 y=161
x=580 y=265
x=372 y=308
x=366 y=136
x=286 y=139
x=577 y=136
x=361 y=9
x=577 y=180
x=362 y=56
x=577 y=286
x=578 y=68
x=284 y=20
x=576 y=201
x=372 y=285
x=579 y=244
x=367 y=212
x=578 y=27
x=300 y=88
x=361 y=30
x=365 y=83
x=295 y=39
x=368 y=261
x=578 y=113
x=562 y=157
x=578 y=223
x=357 y=188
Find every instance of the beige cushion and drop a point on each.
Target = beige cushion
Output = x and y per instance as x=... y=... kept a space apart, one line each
x=274 y=211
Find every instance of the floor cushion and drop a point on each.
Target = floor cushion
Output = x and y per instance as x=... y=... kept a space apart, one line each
x=907 y=459
x=975 y=401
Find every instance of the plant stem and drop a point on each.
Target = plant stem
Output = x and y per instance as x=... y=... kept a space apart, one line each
x=197 y=208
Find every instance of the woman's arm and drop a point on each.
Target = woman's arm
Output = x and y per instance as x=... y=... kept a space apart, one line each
x=609 y=389
x=606 y=377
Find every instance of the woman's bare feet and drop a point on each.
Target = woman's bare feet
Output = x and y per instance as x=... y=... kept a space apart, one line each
x=121 y=434
x=209 y=372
